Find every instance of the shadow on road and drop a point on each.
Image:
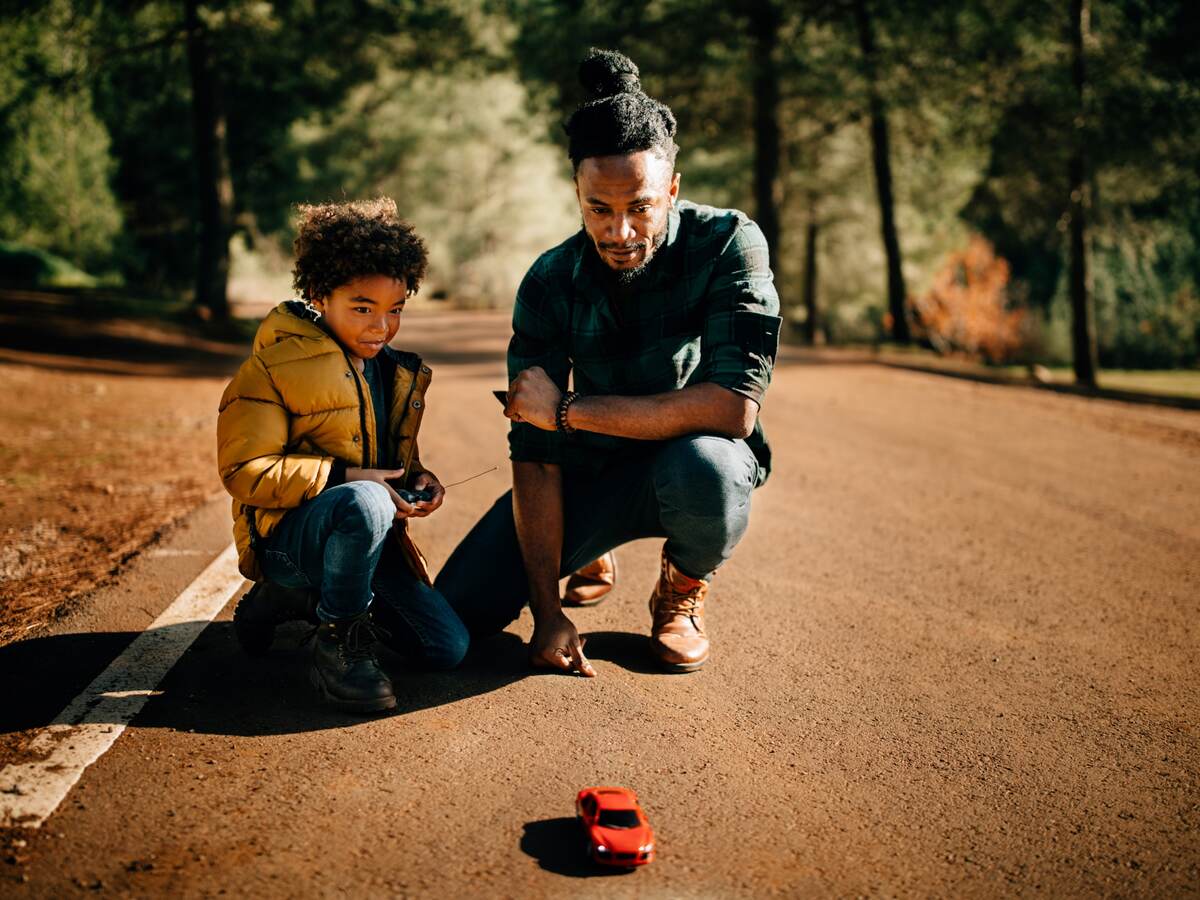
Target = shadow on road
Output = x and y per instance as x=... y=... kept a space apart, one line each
x=625 y=649
x=43 y=675
x=557 y=845
x=215 y=688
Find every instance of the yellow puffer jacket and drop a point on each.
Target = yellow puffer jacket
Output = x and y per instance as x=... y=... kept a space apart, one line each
x=296 y=406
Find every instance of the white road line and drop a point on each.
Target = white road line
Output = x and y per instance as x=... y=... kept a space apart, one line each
x=92 y=722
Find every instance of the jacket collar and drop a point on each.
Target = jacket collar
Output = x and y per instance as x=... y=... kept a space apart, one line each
x=294 y=318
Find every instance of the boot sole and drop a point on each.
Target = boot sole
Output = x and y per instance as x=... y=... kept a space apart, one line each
x=681 y=667
x=579 y=604
x=379 y=704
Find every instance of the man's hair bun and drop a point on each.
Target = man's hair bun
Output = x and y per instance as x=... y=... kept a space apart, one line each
x=617 y=116
x=605 y=73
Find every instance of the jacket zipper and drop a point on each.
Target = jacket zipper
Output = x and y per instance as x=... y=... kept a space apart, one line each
x=362 y=412
x=404 y=414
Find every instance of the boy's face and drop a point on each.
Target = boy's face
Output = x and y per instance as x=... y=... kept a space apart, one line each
x=364 y=314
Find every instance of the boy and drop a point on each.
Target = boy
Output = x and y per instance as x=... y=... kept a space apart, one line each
x=317 y=442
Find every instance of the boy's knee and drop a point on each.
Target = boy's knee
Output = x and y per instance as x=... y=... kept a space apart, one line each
x=367 y=501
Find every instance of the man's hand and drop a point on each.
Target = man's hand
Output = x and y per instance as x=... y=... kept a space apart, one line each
x=383 y=476
x=533 y=397
x=427 y=481
x=557 y=645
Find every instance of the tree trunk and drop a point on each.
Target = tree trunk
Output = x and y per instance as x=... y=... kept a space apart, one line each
x=213 y=181
x=881 y=157
x=811 y=320
x=1083 y=324
x=764 y=29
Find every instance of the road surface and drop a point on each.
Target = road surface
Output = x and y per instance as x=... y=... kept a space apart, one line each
x=955 y=655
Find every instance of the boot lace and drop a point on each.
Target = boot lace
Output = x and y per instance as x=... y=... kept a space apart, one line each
x=358 y=638
x=682 y=603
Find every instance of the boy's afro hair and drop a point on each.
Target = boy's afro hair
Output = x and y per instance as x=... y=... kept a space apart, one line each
x=617 y=117
x=339 y=242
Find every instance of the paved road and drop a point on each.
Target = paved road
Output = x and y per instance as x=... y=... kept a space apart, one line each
x=955 y=655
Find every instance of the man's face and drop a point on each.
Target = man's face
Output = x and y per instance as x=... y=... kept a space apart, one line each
x=364 y=314
x=625 y=201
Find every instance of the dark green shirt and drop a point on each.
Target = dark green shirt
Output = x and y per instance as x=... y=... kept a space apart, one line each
x=706 y=312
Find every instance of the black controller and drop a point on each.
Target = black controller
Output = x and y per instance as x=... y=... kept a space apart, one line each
x=414 y=496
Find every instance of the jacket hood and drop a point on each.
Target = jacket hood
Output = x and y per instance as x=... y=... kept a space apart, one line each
x=289 y=319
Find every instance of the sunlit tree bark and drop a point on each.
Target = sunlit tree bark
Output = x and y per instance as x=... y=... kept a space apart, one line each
x=1083 y=325
x=881 y=158
x=812 y=323
x=764 y=29
x=213 y=180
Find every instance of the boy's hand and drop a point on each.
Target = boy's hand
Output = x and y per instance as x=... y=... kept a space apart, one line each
x=383 y=476
x=427 y=481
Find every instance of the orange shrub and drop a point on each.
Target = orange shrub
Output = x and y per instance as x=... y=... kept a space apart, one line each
x=966 y=309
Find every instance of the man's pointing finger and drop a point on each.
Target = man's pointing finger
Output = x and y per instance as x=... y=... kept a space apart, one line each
x=580 y=663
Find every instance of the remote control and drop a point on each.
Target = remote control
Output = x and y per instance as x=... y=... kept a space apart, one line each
x=414 y=496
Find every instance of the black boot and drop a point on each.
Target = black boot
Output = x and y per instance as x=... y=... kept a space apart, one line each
x=344 y=667
x=266 y=605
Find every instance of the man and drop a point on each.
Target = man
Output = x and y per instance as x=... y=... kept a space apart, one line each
x=666 y=315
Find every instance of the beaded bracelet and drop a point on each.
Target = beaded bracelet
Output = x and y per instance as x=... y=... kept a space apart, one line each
x=560 y=416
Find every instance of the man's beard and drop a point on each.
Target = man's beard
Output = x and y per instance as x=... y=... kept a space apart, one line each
x=624 y=279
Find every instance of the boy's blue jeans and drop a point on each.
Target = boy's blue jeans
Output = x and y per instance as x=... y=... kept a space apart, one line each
x=694 y=491
x=338 y=544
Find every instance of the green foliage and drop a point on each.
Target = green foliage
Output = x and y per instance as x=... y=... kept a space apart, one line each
x=1148 y=305
x=54 y=183
x=278 y=63
x=1143 y=113
x=59 y=197
x=465 y=163
x=30 y=267
x=453 y=107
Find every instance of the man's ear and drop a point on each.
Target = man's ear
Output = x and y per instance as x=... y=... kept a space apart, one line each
x=673 y=191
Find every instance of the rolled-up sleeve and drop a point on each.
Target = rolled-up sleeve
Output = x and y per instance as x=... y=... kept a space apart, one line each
x=537 y=340
x=741 y=324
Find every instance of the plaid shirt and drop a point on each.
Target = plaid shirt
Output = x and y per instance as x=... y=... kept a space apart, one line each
x=707 y=313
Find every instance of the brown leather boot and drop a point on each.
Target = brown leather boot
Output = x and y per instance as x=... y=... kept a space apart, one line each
x=677 y=605
x=587 y=586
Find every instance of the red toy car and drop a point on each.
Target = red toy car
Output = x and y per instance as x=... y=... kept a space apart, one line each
x=616 y=829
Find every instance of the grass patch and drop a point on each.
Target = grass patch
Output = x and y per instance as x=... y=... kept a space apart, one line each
x=1163 y=382
x=1168 y=382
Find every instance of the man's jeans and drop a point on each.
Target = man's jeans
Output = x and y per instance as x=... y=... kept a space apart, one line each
x=338 y=543
x=694 y=491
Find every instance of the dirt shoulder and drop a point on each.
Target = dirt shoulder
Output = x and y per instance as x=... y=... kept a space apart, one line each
x=106 y=438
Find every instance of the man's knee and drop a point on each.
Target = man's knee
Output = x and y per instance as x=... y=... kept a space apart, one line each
x=705 y=472
x=365 y=504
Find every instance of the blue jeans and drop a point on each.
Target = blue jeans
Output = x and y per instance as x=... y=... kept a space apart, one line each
x=338 y=544
x=694 y=491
